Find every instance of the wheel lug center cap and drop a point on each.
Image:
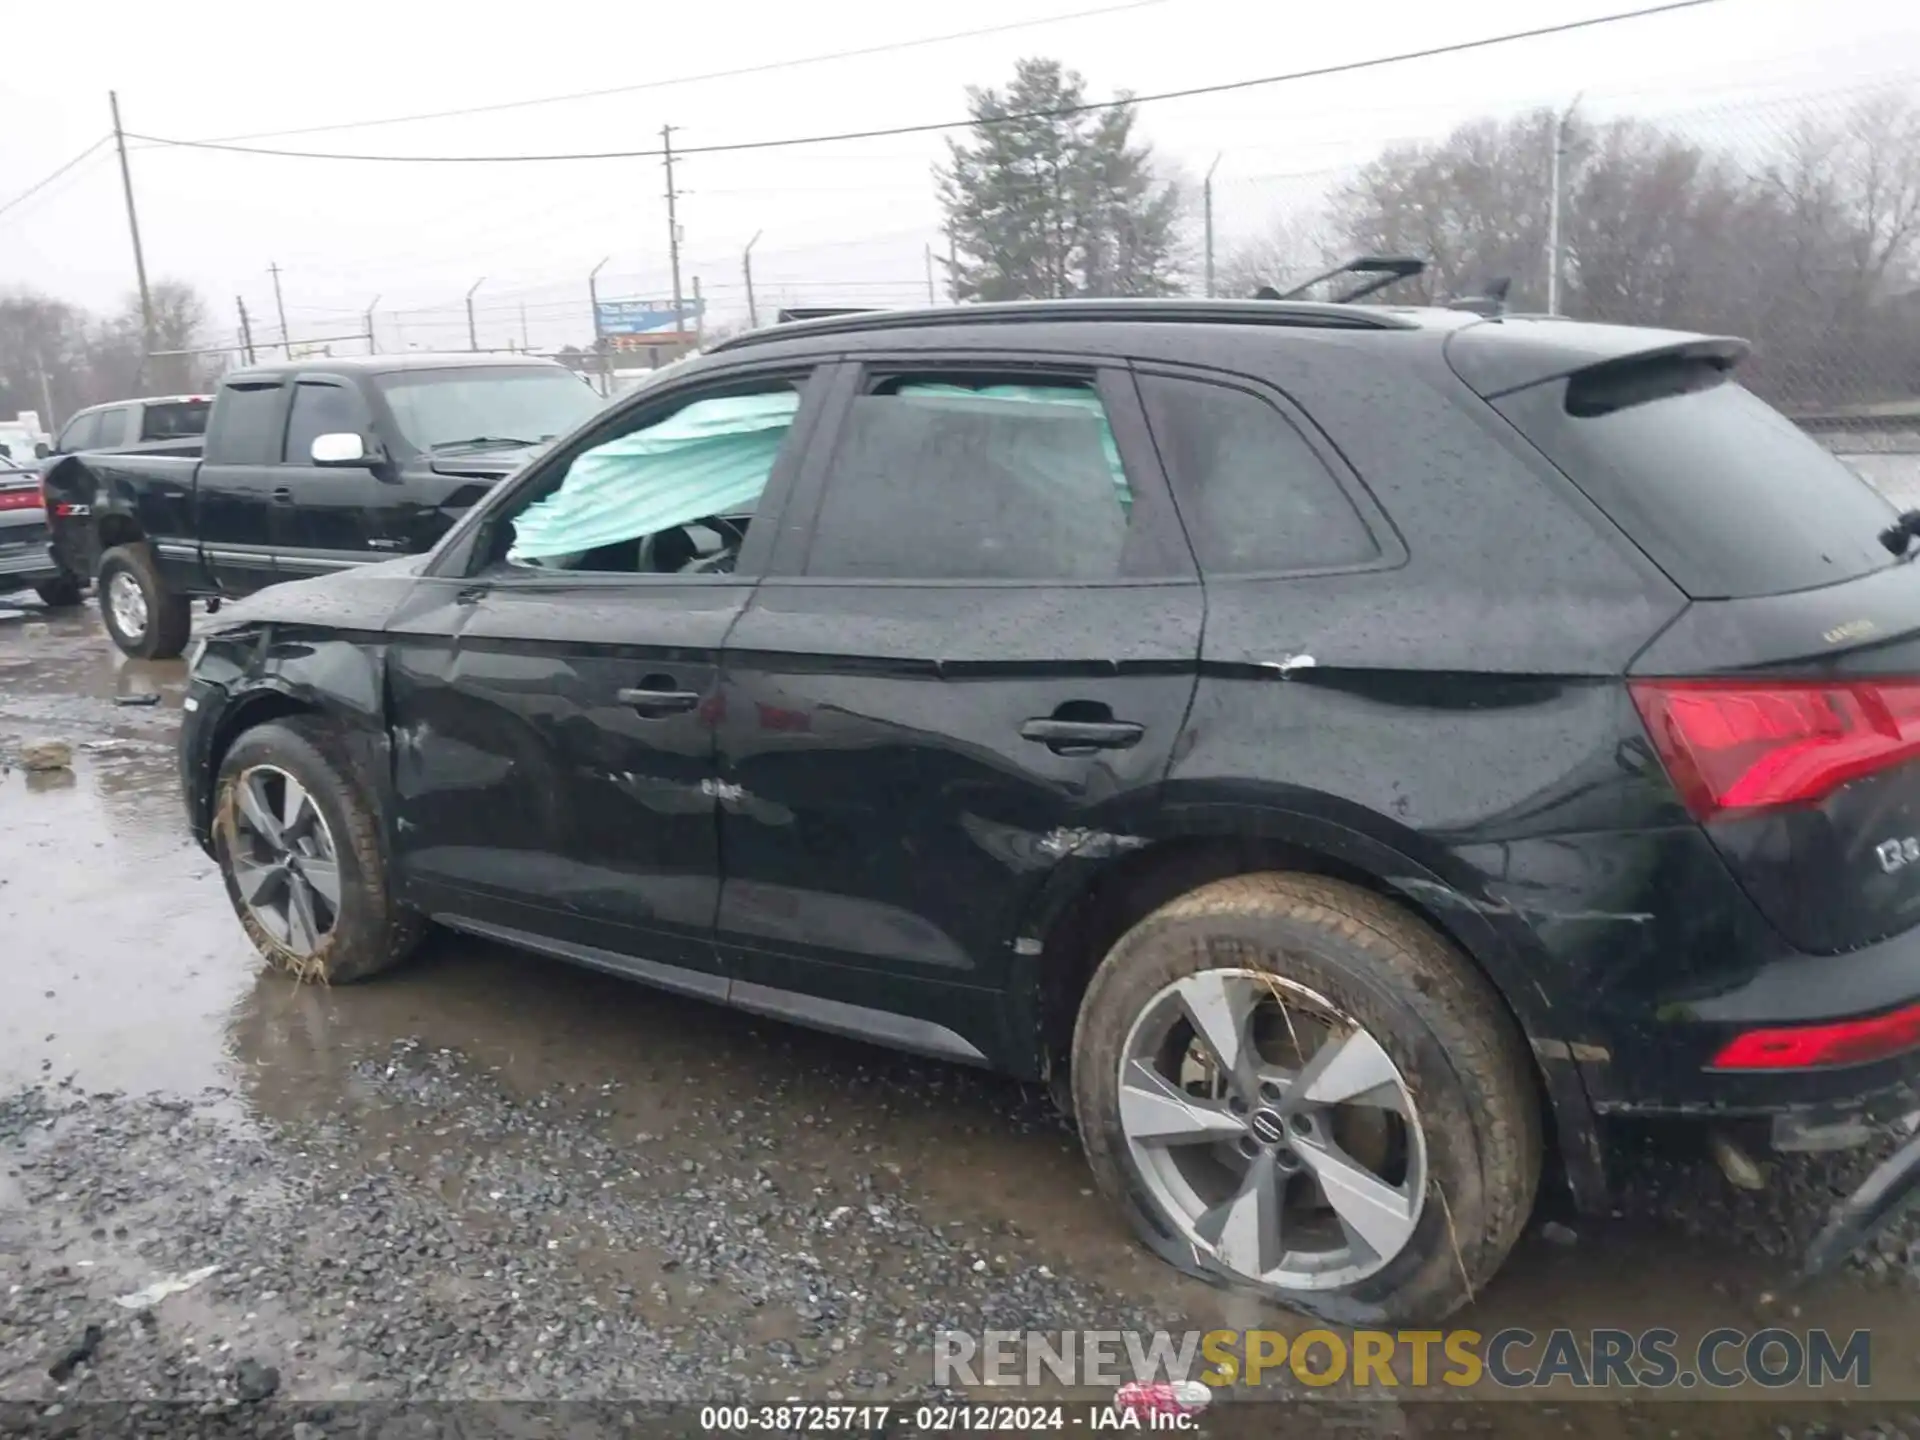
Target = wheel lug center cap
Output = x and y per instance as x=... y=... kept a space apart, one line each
x=1267 y=1127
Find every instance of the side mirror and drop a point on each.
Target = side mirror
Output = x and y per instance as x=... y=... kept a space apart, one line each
x=344 y=448
x=42 y=450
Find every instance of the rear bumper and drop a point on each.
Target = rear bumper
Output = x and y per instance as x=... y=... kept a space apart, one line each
x=26 y=557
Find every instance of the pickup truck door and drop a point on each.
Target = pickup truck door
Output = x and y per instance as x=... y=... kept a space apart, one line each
x=234 y=492
x=330 y=517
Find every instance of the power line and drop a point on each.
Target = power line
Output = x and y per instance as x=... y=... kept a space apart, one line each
x=762 y=69
x=40 y=185
x=1345 y=68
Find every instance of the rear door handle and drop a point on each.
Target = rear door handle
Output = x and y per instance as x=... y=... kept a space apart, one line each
x=1082 y=737
x=282 y=495
x=659 y=702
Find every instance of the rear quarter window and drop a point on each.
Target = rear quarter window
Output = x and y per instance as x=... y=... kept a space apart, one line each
x=1721 y=490
x=1256 y=497
x=175 y=420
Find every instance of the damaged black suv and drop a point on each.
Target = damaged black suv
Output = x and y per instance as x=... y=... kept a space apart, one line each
x=1357 y=754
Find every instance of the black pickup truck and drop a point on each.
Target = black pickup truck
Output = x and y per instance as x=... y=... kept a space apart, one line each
x=309 y=467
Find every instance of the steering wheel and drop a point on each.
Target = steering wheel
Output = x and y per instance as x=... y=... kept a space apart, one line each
x=731 y=535
x=721 y=562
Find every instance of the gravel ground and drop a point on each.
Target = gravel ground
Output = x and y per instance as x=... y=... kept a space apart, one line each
x=492 y=1179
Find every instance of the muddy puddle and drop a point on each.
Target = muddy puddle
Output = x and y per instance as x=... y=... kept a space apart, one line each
x=486 y=1094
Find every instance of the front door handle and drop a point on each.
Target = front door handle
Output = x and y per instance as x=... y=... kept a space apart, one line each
x=1082 y=737
x=653 y=703
x=282 y=495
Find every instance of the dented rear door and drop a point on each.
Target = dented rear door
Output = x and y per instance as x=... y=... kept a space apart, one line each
x=918 y=723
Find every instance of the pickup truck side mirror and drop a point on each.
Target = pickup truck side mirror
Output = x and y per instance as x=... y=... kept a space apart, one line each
x=343 y=448
x=42 y=450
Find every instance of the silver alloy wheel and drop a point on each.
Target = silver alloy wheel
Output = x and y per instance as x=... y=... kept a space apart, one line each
x=1272 y=1130
x=283 y=859
x=129 y=604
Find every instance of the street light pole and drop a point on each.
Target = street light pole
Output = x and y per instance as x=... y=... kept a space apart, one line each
x=1561 y=125
x=1206 y=210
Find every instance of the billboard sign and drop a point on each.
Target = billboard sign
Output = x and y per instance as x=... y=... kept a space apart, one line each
x=637 y=317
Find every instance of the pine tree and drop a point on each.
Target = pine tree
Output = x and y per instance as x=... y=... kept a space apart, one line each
x=1053 y=204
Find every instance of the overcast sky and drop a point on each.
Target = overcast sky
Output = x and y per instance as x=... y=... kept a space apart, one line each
x=841 y=223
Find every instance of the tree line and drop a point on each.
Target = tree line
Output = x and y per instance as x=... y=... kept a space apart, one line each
x=55 y=354
x=1809 y=247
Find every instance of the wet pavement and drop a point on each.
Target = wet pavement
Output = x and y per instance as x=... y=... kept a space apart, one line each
x=489 y=1176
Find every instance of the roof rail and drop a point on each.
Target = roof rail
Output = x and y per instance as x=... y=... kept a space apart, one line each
x=1383 y=270
x=819 y=312
x=1041 y=312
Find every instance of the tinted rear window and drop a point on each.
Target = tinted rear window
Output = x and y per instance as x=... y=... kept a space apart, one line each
x=175 y=420
x=1725 y=493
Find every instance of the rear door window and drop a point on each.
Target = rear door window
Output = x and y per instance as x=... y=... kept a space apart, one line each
x=952 y=478
x=1257 y=499
x=1722 y=491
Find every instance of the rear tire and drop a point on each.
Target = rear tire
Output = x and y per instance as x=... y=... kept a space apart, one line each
x=302 y=855
x=1409 y=1056
x=146 y=619
x=61 y=594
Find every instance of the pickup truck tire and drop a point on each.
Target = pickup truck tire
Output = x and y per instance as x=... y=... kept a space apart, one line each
x=1280 y=1045
x=61 y=594
x=301 y=852
x=146 y=619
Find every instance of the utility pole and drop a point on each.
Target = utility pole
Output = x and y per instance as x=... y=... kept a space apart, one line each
x=133 y=228
x=526 y=345
x=280 y=304
x=699 y=313
x=953 y=267
x=673 y=229
x=1561 y=126
x=746 y=271
x=52 y=422
x=1206 y=210
x=246 y=329
x=929 y=252
x=473 y=331
x=600 y=340
x=372 y=347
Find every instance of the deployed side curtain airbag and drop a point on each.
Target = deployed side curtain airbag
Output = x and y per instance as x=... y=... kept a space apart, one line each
x=712 y=458
x=1073 y=396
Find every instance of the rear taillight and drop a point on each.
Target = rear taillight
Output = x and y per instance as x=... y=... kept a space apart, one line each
x=1741 y=746
x=20 y=500
x=1840 y=1042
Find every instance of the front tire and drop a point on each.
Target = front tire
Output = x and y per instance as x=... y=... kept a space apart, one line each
x=301 y=853
x=61 y=594
x=1294 y=1088
x=145 y=618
